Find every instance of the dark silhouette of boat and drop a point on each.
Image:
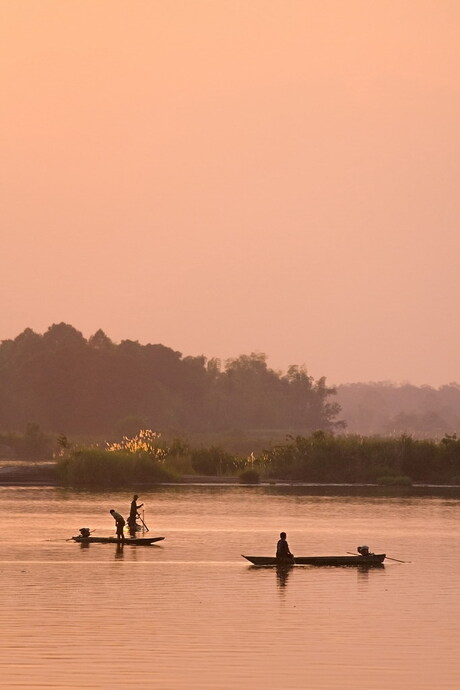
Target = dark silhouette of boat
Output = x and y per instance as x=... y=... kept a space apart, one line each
x=135 y=541
x=371 y=560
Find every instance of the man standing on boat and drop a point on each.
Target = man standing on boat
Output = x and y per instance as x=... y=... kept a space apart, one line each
x=283 y=553
x=120 y=523
x=133 y=512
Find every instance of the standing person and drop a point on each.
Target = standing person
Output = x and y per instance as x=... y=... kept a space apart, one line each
x=133 y=512
x=120 y=523
x=282 y=549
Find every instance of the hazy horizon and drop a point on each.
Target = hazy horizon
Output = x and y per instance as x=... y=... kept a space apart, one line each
x=232 y=177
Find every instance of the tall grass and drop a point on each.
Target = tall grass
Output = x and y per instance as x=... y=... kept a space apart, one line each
x=322 y=457
x=94 y=467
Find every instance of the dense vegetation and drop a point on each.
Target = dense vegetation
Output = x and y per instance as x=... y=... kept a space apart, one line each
x=71 y=385
x=319 y=458
x=216 y=420
x=143 y=458
x=322 y=457
x=93 y=467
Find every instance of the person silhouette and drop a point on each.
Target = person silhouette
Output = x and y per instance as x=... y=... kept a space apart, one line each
x=133 y=510
x=283 y=553
x=120 y=523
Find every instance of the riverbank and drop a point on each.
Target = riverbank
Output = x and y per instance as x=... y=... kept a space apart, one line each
x=36 y=474
x=25 y=473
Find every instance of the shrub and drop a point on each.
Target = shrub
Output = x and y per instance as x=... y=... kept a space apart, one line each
x=212 y=461
x=146 y=442
x=249 y=476
x=94 y=467
x=179 y=464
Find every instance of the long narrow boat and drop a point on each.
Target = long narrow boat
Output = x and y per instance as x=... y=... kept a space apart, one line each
x=373 y=559
x=139 y=541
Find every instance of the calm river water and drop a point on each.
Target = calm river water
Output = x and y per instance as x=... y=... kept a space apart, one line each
x=192 y=614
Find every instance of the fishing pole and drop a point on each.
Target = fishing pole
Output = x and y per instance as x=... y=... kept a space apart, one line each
x=141 y=519
x=397 y=560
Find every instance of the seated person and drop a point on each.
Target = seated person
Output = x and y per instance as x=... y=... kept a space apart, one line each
x=282 y=549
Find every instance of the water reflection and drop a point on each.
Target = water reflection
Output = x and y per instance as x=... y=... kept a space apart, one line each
x=228 y=629
x=364 y=570
x=284 y=570
x=362 y=491
x=282 y=573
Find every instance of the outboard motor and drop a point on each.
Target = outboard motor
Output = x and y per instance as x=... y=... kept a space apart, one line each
x=363 y=550
x=85 y=532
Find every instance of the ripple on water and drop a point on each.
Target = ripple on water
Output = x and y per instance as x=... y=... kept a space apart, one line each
x=191 y=614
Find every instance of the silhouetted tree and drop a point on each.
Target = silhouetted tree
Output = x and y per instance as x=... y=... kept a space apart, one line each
x=72 y=385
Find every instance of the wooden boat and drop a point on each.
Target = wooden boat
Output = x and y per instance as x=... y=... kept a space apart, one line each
x=371 y=560
x=136 y=541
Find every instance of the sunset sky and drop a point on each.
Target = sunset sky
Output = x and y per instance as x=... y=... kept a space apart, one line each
x=229 y=176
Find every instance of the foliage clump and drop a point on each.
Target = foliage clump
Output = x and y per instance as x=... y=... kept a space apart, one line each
x=249 y=476
x=323 y=457
x=133 y=460
x=95 y=467
x=213 y=461
x=146 y=441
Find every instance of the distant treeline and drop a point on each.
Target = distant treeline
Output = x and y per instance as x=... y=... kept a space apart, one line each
x=68 y=384
x=391 y=410
x=32 y=444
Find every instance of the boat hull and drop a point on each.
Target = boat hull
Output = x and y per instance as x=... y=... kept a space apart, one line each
x=140 y=541
x=376 y=559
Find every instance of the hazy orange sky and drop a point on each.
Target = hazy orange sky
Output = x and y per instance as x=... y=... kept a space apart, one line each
x=234 y=176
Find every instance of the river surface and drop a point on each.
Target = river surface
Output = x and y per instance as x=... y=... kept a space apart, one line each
x=190 y=613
